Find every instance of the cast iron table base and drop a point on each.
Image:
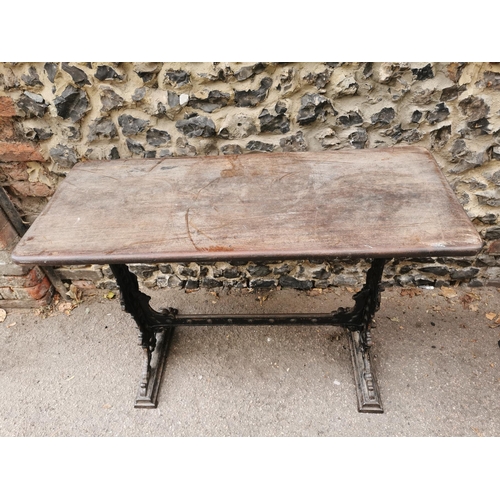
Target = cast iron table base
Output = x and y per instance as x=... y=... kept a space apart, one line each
x=156 y=329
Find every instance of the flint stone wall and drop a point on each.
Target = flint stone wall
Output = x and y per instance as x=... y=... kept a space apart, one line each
x=53 y=115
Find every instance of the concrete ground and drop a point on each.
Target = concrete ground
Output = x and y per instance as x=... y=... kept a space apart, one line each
x=74 y=372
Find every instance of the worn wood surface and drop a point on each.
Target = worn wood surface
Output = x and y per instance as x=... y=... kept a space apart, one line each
x=391 y=202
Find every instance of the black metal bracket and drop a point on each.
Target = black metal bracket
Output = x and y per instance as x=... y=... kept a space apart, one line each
x=156 y=330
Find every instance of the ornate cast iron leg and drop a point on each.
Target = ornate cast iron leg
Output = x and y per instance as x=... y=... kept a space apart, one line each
x=358 y=322
x=155 y=333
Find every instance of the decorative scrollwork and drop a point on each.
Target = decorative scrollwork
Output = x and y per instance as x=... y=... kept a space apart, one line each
x=366 y=304
x=149 y=321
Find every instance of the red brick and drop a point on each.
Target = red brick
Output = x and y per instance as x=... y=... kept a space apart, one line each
x=17 y=171
x=33 y=278
x=19 y=151
x=494 y=247
x=7 y=131
x=36 y=292
x=26 y=188
x=7 y=107
x=40 y=290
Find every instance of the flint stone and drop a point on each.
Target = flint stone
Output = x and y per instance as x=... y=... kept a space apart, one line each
x=73 y=103
x=259 y=283
x=486 y=260
x=79 y=76
x=160 y=111
x=321 y=274
x=416 y=116
x=440 y=137
x=488 y=218
x=440 y=113
x=463 y=274
x=350 y=119
x=277 y=123
x=492 y=233
x=250 y=98
x=51 y=70
x=31 y=79
x=39 y=134
x=147 y=71
x=491 y=80
x=421 y=280
x=156 y=137
x=260 y=146
x=110 y=100
x=215 y=100
x=166 y=268
x=102 y=127
x=188 y=272
x=143 y=270
x=469 y=161
x=113 y=154
x=290 y=282
x=184 y=148
x=404 y=280
x=131 y=125
x=359 y=138
x=32 y=104
x=217 y=75
x=64 y=156
x=249 y=71
x=495 y=178
x=313 y=106
x=384 y=116
x=319 y=80
x=231 y=149
x=474 y=108
x=72 y=133
x=397 y=133
x=438 y=270
x=343 y=280
x=139 y=94
x=173 y=99
x=452 y=93
x=283 y=269
x=196 y=126
x=107 y=73
x=459 y=150
x=211 y=283
x=293 y=142
x=135 y=147
x=481 y=126
x=489 y=198
x=258 y=270
x=177 y=78
x=231 y=273
x=238 y=127
x=423 y=73
x=175 y=282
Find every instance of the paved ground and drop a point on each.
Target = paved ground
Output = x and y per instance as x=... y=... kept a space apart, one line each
x=75 y=373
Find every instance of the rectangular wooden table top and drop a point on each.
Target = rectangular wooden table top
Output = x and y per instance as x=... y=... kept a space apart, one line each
x=391 y=202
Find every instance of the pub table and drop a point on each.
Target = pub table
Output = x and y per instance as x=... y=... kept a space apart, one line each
x=375 y=204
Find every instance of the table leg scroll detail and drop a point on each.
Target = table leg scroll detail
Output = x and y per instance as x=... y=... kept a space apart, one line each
x=155 y=332
x=367 y=303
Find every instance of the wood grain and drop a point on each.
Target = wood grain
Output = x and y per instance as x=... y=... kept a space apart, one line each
x=392 y=202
